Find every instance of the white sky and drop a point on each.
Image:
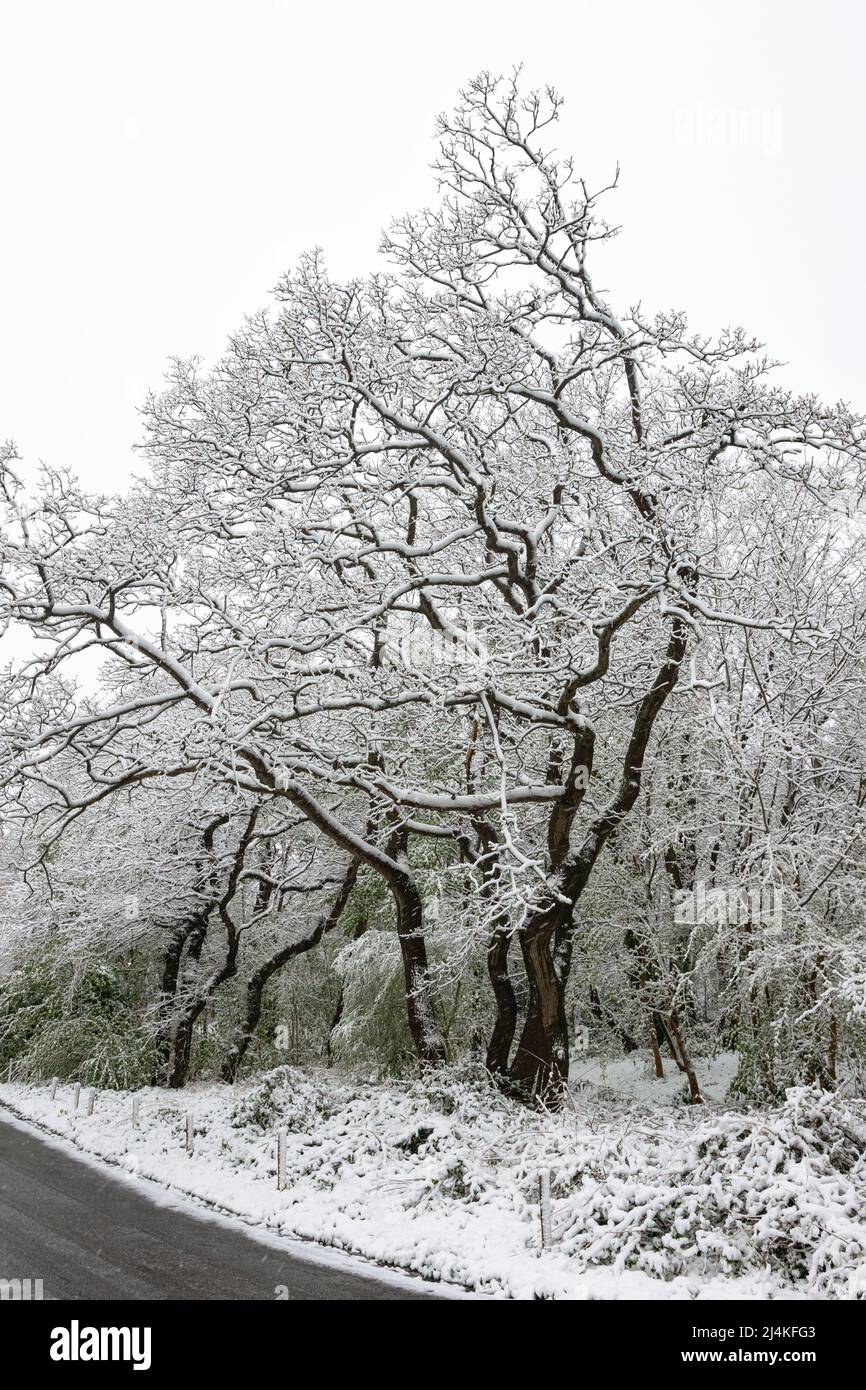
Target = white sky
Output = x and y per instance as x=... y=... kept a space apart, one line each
x=162 y=163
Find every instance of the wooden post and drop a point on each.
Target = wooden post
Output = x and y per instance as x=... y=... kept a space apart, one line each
x=281 y=1160
x=544 y=1207
x=91 y=1100
x=187 y=1129
x=54 y=1084
x=136 y=1101
x=76 y=1092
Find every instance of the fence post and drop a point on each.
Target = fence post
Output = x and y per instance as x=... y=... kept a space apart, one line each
x=54 y=1084
x=281 y=1160
x=544 y=1207
x=76 y=1093
x=136 y=1101
x=187 y=1129
x=91 y=1100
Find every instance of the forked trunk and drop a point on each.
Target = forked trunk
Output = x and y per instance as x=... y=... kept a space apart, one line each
x=540 y=1065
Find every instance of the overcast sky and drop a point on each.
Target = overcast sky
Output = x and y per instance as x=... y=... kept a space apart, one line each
x=163 y=162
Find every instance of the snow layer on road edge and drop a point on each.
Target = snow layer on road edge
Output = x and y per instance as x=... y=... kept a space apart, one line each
x=177 y=1199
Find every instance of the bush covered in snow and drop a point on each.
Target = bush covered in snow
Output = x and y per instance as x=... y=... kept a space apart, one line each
x=784 y=1189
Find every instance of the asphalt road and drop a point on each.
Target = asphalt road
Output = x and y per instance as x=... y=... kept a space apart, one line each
x=87 y=1235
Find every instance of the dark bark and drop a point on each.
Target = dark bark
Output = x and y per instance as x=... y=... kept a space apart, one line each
x=546 y=1004
x=674 y=1029
x=505 y=1024
x=663 y=1036
x=832 y=1052
x=420 y=1010
x=650 y=1016
x=190 y=934
x=652 y=1034
x=199 y=996
x=168 y=991
x=540 y=1066
x=486 y=857
x=181 y=1049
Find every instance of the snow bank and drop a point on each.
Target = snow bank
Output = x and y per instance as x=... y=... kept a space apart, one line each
x=439 y=1176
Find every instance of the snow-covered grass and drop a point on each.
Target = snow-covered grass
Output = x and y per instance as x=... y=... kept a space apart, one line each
x=439 y=1176
x=631 y=1079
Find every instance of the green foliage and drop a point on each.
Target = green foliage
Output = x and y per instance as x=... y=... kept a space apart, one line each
x=373 y=1031
x=83 y=1025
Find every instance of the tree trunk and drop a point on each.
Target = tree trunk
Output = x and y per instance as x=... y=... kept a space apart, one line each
x=540 y=1065
x=499 y=1047
x=181 y=1052
x=833 y=1051
x=505 y=1000
x=421 y=1014
x=252 y=1016
x=674 y=1029
x=651 y=1020
x=167 y=994
x=171 y=1044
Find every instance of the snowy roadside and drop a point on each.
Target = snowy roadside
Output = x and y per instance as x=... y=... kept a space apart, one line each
x=438 y=1177
x=174 y=1200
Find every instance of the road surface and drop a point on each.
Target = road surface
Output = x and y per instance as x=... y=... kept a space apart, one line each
x=87 y=1235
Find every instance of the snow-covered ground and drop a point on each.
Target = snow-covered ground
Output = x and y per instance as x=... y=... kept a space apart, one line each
x=631 y=1079
x=440 y=1176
